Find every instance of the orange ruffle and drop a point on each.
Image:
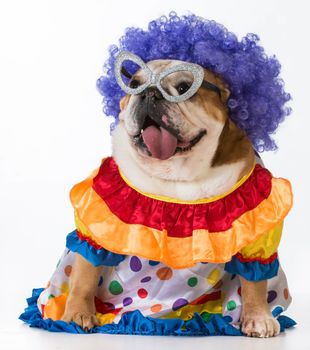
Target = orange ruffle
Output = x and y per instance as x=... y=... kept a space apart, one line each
x=95 y=220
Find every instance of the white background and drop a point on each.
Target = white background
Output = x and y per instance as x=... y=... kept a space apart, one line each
x=53 y=134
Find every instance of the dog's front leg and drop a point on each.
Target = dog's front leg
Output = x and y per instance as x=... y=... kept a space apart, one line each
x=80 y=306
x=256 y=318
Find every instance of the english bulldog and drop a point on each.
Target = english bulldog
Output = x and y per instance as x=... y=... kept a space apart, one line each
x=186 y=149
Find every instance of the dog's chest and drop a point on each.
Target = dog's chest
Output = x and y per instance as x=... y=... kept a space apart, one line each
x=216 y=182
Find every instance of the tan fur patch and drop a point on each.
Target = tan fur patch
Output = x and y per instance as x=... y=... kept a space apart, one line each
x=124 y=102
x=215 y=105
x=233 y=145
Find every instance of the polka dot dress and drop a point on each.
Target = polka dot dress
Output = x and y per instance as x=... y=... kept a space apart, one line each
x=158 y=291
x=177 y=283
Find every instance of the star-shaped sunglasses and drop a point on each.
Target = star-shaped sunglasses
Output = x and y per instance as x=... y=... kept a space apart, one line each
x=176 y=84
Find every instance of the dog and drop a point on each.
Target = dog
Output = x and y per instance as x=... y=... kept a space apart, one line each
x=200 y=153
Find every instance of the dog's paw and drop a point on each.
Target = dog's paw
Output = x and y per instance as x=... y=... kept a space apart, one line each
x=85 y=320
x=260 y=327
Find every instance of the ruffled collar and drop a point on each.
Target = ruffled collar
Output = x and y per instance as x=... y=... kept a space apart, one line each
x=179 y=218
x=114 y=215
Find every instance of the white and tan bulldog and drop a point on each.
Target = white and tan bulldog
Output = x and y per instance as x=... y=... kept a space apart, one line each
x=187 y=150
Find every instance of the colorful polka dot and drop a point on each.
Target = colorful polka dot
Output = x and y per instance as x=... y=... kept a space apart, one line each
x=272 y=294
x=156 y=308
x=153 y=262
x=146 y=279
x=64 y=288
x=285 y=293
x=100 y=281
x=51 y=296
x=68 y=270
x=231 y=305
x=135 y=264
x=164 y=273
x=127 y=301
x=179 y=303
x=142 y=293
x=239 y=291
x=192 y=282
x=115 y=288
x=214 y=276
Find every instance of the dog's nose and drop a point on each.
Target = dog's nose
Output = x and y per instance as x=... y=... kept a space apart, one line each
x=152 y=92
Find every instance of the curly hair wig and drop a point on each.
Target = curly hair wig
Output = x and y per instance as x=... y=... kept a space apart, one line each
x=257 y=100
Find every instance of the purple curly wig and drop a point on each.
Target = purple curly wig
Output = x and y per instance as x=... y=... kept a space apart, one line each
x=257 y=100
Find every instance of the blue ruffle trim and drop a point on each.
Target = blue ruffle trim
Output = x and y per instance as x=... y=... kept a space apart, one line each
x=135 y=323
x=254 y=270
x=95 y=256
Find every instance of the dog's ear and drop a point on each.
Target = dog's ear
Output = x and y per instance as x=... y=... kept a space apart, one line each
x=218 y=81
x=124 y=102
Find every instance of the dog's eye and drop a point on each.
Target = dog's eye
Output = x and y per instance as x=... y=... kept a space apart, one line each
x=182 y=88
x=134 y=84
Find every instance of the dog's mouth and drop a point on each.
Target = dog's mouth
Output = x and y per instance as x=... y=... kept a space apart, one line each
x=162 y=142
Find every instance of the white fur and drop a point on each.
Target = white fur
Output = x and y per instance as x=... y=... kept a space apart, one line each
x=163 y=177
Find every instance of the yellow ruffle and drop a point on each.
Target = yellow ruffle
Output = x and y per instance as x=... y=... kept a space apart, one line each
x=265 y=246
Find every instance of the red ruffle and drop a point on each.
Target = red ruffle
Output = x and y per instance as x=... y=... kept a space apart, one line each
x=260 y=260
x=178 y=219
x=88 y=240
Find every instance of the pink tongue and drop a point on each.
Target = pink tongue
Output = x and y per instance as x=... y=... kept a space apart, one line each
x=160 y=142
